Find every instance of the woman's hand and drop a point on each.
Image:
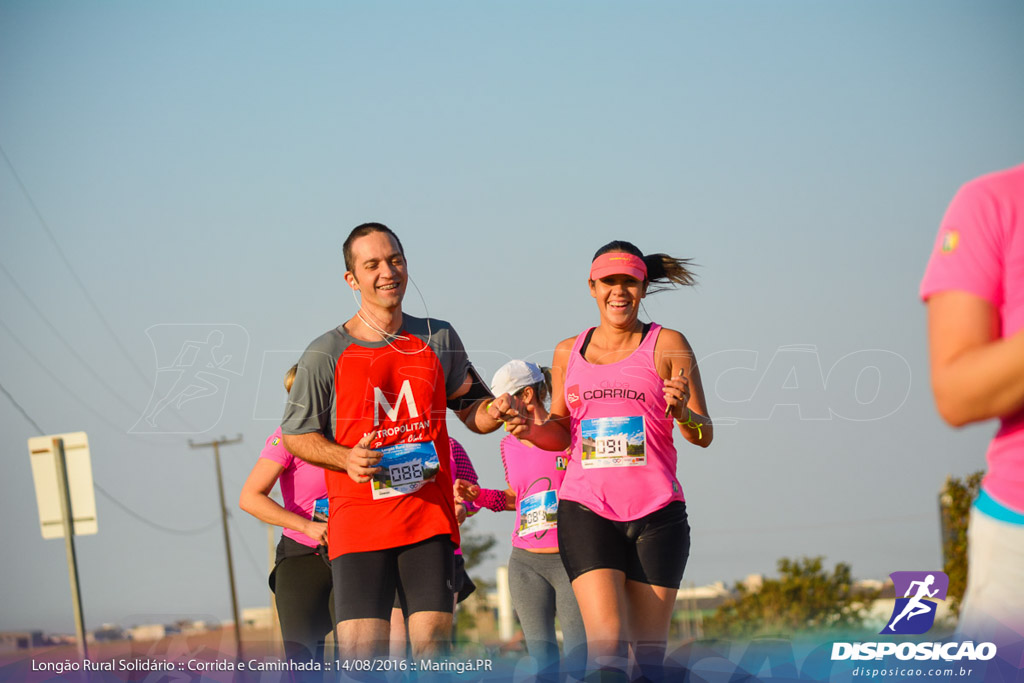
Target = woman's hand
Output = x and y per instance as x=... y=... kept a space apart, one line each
x=317 y=531
x=677 y=395
x=465 y=491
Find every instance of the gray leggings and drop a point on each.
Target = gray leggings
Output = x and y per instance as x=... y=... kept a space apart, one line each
x=540 y=588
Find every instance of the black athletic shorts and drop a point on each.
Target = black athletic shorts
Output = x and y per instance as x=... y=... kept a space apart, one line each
x=651 y=550
x=422 y=574
x=464 y=585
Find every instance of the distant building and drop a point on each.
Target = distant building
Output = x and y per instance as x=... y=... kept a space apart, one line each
x=257 y=618
x=14 y=641
x=107 y=633
x=148 y=632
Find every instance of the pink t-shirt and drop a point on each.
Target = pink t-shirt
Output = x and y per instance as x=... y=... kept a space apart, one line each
x=980 y=250
x=623 y=462
x=301 y=484
x=535 y=475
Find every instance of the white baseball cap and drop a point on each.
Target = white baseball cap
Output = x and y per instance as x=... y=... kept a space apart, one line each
x=515 y=375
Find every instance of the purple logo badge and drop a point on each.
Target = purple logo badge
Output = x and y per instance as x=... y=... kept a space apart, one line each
x=914 y=612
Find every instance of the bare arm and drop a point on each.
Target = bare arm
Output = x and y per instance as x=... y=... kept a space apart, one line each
x=975 y=374
x=684 y=392
x=477 y=419
x=475 y=415
x=255 y=499
x=359 y=462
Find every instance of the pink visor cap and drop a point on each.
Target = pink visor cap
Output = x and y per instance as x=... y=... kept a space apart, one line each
x=618 y=263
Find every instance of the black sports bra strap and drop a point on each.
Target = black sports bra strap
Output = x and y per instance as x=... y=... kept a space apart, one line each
x=590 y=334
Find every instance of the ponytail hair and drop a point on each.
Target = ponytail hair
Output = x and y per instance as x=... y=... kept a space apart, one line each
x=663 y=271
x=542 y=389
x=289 y=377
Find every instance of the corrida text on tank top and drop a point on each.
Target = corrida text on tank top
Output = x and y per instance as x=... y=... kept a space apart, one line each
x=623 y=462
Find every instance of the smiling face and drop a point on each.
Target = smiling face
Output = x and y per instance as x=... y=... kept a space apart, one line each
x=618 y=299
x=378 y=270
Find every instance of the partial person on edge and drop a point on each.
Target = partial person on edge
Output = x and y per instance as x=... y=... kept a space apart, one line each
x=301 y=578
x=974 y=288
x=368 y=405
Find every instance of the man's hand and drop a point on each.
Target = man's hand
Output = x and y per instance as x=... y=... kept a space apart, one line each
x=361 y=462
x=509 y=409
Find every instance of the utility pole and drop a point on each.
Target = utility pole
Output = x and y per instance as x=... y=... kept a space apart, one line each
x=69 y=543
x=216 y=443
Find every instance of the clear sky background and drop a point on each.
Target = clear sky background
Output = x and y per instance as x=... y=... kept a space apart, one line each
x=175 y=168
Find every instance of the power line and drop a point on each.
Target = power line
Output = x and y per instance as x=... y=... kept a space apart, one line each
x=108 y=496
x=71 y=270
x=22 y=410
x=85 y=404
x=68 y=345
x=161 y=527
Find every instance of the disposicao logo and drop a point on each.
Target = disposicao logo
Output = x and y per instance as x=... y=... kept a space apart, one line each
x=914 y=613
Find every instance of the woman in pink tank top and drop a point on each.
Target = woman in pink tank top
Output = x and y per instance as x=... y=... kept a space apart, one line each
x=620 y=389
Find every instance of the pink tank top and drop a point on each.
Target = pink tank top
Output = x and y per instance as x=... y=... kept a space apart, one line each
x=623 y=462
x=535 y=475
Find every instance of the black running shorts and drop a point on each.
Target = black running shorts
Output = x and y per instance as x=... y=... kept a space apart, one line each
x=651 y=550
x=422 y=574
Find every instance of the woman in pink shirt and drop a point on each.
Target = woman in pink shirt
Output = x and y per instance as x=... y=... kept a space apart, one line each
x=537 y=578
x=974 y=286
x=620 y=390
x=301 y=579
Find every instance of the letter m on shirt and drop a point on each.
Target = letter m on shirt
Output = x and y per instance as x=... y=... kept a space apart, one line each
x=381 y=401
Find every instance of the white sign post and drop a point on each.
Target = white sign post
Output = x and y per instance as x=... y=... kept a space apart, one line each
x=62 y=473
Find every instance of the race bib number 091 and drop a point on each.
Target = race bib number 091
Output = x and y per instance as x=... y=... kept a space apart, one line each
x=613 y=442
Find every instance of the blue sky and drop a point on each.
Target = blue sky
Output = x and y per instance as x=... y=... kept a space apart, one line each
x=173 y=168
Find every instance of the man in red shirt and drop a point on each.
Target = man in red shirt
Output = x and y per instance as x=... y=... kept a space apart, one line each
x=369 y=406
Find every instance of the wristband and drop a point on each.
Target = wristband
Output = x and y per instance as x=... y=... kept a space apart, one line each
x=691 y=423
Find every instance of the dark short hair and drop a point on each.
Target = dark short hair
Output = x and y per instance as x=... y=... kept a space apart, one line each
x=362 y=231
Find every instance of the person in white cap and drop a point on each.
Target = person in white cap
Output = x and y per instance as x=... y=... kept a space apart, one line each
x=537 y=579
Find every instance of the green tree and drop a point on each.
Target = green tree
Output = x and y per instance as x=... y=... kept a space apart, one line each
x=475 y=547
x=804 y=597
x=955 y=502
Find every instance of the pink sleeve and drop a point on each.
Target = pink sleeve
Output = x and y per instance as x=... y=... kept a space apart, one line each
x=275 y=450
x=967 y=255
x=492 y=499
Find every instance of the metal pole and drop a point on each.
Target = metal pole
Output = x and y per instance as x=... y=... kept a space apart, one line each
x=227 y=537
x=69 y=544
